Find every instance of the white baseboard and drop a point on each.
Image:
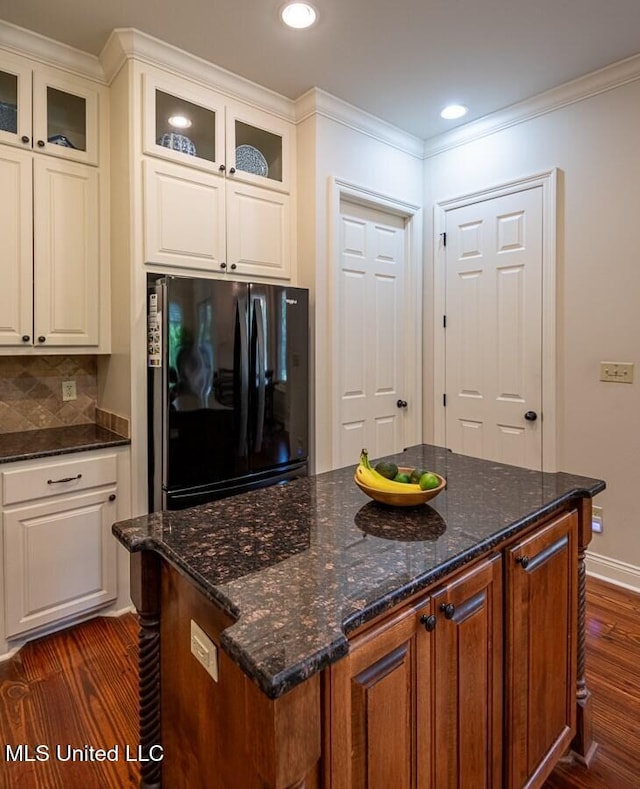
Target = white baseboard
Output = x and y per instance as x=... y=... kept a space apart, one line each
x=613 y=571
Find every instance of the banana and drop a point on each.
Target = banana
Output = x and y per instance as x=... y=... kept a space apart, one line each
x=370 y=477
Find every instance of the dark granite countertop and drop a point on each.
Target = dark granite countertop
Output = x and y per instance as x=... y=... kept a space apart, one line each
x=301 y=565
x=32 y=444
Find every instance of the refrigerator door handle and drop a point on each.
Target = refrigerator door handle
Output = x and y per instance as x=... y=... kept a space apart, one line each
x=261 y=370
x=241 y=317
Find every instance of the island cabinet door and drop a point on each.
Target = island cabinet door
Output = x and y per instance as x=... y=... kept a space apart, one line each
x=374 y=699
x=467 y=680
x=540 y=659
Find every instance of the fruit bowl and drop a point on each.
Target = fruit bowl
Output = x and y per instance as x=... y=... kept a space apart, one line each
x=409 y=499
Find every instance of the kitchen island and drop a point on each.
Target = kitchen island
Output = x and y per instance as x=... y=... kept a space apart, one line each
x=356 y=645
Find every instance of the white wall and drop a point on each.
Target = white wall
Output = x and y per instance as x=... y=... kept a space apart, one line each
x=595 y=144
x=328 y=148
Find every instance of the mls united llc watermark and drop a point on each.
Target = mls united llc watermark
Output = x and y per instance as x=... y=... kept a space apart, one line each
x=87 y=753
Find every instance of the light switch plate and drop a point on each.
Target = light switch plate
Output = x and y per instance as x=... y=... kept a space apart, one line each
x=616 y=372
x=204 y=650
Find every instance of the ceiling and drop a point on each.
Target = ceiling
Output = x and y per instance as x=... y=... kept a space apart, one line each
x=401 y=61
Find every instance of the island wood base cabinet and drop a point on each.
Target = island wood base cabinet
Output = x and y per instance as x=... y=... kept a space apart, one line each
x=477 y=681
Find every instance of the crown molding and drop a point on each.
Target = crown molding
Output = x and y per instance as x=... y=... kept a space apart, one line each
x=601 y=81
x=26 y=43
x=129 y=44
x=317 y=102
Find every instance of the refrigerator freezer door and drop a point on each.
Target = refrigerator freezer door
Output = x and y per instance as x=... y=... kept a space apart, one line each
x=206 y=380
x=279 y=374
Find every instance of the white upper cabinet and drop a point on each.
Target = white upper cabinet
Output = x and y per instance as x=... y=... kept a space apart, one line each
x=48 y=111
x=54 y=222
x=216 y=182
x=191 y=125
x=49 y=252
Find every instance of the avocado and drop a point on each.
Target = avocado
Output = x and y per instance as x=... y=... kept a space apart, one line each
x=416 y=474
x=388 y=470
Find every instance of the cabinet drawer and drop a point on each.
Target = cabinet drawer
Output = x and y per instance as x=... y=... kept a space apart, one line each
x=51 y=479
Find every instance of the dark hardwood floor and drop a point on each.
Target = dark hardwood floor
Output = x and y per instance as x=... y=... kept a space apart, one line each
x=78 y=688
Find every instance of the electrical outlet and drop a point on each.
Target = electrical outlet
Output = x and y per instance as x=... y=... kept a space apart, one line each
x=69 y=391
x=204 y=650
x=596 y=520
x=616 y=372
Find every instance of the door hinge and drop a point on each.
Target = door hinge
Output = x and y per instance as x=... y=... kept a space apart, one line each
x=444 y=321
x=444 y=400
x=443 y=236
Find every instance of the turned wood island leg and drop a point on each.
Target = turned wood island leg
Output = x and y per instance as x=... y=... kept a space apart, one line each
x=145 y=593
x=583 y=746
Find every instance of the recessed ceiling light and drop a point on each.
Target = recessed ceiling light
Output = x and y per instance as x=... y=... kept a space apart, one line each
x=298 y=15
x=453 y=111
x=179 y=122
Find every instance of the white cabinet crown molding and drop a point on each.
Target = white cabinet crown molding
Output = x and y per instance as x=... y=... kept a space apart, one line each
x=26 y=43
x=128 y=43
x=585 y=87
x=318 y=102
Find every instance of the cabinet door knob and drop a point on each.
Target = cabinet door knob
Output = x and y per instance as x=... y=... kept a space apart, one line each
x=429 y=622
x=233 y=267
x=531 y=416
x=112 y=497
x=24 y=139
x=232 y=170
x=25 y=338
x=523 y=561
x=448 y=609
x=40 y=143
x=223 y=265
x=401 y=403
x=42 y=338
x=222 y=168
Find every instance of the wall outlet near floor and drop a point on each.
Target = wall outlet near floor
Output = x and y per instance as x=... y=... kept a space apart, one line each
x=69 y=391
x=204 y=650
x=616 y=372
x=596 y=520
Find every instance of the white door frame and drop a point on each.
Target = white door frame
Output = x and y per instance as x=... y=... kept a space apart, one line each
x=339 y=189
x=547 y=181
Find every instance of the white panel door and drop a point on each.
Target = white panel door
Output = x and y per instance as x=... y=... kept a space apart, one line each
x=184 y=217
x=494 y=329
x=258 y=231
x=16 y=252
x=370 y=333
x=66 y=253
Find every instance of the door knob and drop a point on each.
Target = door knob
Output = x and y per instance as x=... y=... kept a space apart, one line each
x=531 y=416
x=401 y=403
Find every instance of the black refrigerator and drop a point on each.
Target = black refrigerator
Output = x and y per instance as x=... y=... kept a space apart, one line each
x=228 y=383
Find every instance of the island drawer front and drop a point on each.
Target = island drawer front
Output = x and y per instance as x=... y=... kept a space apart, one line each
x=53 y=478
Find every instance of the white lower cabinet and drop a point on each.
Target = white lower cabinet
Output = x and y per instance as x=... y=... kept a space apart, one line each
x=59 y=556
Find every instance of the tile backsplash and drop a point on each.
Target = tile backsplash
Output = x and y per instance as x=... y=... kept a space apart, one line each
x=31 y=391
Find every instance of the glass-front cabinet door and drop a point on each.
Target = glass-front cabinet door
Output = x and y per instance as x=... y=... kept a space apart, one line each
x=46 y=111
x=258 y=147
x=183 y=123
x=15 y=103
x=65 y=117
